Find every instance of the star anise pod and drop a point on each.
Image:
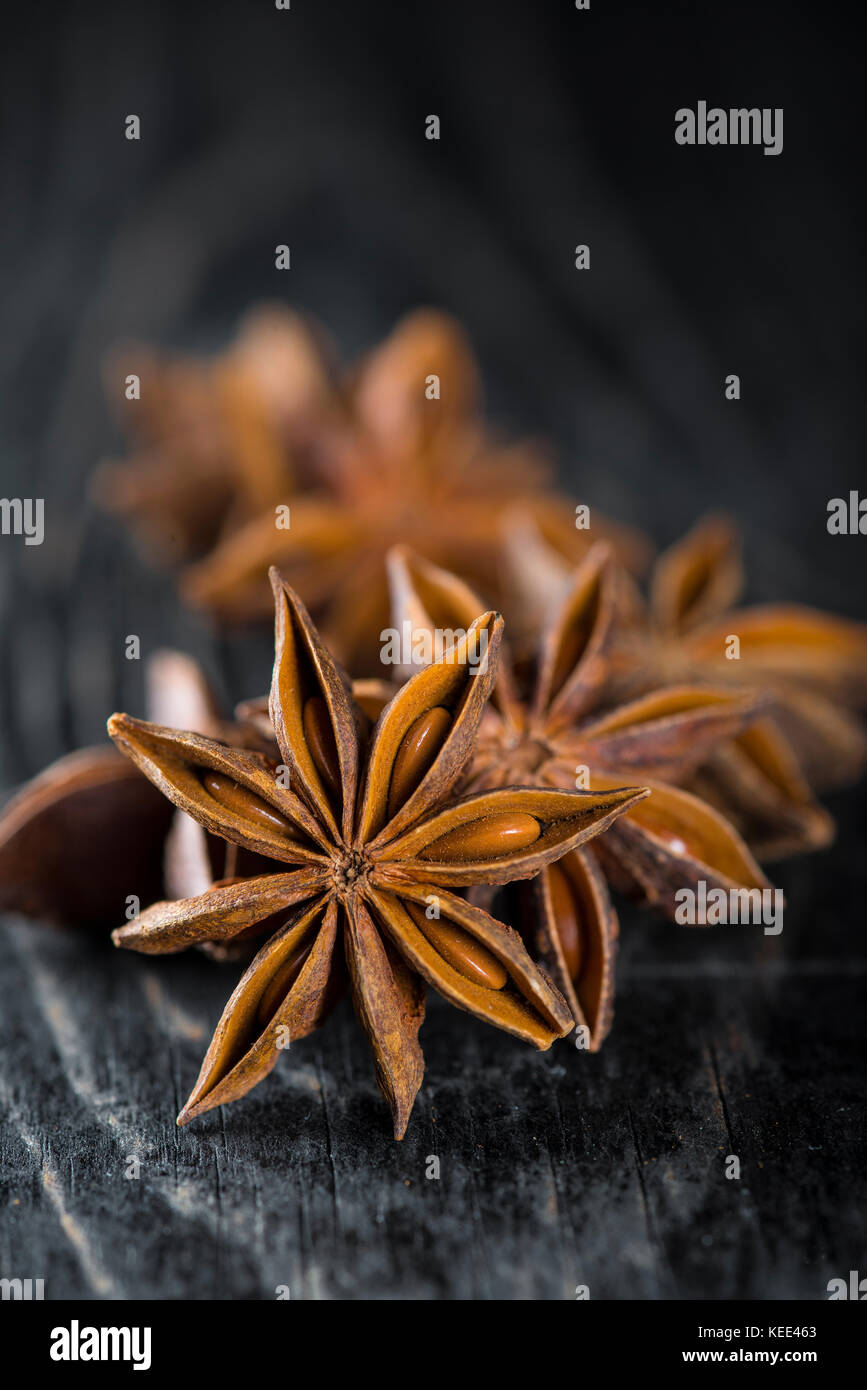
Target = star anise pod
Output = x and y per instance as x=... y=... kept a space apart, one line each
x=365 y=845
x=216 y=440
x=90 y=829
x=814 y=664
x=549 y=722
x=396 y=465
x=810 y=664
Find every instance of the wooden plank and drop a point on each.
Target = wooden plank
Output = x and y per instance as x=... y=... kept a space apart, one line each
x=556 y=1170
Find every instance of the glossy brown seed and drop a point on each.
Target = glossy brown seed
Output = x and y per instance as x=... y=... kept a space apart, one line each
x=421 y=744
x=674 y=842
x=564 y=907
x=320 y=741
x=244 y=803
x=504 y=833
x=280 y=984
x=460 y=950
x=673 y=838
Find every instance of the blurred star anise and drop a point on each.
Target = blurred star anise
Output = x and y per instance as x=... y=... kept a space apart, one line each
x=811 y=665
x=89 y=831
x=215 y=440
x=395 y=451
x=554 y=721
x=396 y=466
x=80 y=837
x=364 y=847
x=814 y=664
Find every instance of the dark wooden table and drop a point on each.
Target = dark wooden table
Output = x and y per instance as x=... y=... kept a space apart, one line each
x=555 y=1170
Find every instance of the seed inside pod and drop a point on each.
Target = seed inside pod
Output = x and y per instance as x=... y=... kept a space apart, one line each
x=672 y=838
x=236 y=798
x=281 y=983
x=421 y=744
x=504 y=833
x=565 y=909
x=320 y=741
x=460 y=950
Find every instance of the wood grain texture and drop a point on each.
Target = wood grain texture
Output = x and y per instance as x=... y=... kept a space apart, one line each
x=307 y=127
x=555 y=1170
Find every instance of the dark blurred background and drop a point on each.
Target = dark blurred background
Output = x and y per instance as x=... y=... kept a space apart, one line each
x=307 y=127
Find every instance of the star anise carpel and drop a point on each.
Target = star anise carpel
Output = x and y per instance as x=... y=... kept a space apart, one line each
x=67 y=854
x=89 y=831
x=366 y=843
x=560 y=720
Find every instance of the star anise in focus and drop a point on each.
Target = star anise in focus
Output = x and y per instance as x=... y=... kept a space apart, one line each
x=395 y=463
x=551 y=721
x=216 y=440
x=364 y=844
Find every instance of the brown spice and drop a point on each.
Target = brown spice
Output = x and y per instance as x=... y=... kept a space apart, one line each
x=549 y=721
x=351 y=862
